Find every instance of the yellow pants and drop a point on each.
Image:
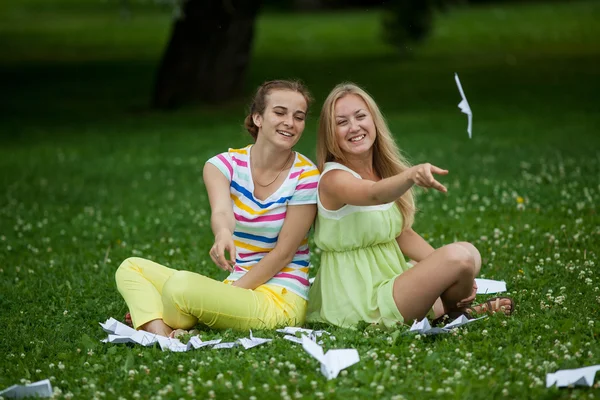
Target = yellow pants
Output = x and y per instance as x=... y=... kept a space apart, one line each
x=183 y=298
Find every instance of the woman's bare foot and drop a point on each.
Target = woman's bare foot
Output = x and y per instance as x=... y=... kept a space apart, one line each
x=177 y=333
x=158 y=327
x=491 y=306
x=128 y=320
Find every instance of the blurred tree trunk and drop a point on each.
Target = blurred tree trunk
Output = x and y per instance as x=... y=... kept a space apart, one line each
x=207 y=54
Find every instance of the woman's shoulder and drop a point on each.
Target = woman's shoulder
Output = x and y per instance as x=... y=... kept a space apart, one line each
x=332 y=165
x=304 y=162
x=242 y=152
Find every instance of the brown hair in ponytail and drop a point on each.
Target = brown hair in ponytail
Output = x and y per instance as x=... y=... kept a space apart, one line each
x=259 y=102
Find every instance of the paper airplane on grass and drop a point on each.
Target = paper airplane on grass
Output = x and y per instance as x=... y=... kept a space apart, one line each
x=118 y=332
x=121 y=333
x=252 y=342
x=575 y=377
x=197 y=343
x=292 y=330
x=226 y=345
x=333 y=361
x=117 y=328
x=423 y=327
x=488 y=286
x=464 y=105
x=36 y=389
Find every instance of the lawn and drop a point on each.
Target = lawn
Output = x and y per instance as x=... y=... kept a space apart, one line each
x=90 y=176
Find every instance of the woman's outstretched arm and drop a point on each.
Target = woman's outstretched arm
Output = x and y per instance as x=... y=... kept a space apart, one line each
x=298 y=220
x=222 y=219
x=339 y=187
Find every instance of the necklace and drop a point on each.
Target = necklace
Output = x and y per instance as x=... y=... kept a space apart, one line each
x=270 y=183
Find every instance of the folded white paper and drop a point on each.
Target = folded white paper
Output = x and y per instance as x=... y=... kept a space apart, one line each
x=488 y=286
x=226 y=345
x=298 y=340
x=464 y=105
x=172 y=344
x=460 y=321
x=36 y=389
x=197 y=343
x=423 y=327
x=117 y=328
x=252 y=342
x=121 y=333
x=333 y=361
x=292 y=330
x=575 y=377
x=294 y=339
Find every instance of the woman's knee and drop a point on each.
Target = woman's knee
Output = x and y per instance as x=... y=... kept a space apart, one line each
x=124 y=268
x=176 y=286
x=460 y=259
x=475 y=253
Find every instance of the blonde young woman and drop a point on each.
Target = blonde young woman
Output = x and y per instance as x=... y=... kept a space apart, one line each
x=262 y=200
x=365 y=213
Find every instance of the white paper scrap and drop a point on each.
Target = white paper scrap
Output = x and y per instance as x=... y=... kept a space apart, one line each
x=171 y=344
x=252 y=342
x=575 y=377
x=460 y=321
x=37 y=389
x=464 y=105
x=117 y=328
x=488 y=286
x=226 y=345
x=424 y=327
x=197 y=343
x=294 y=339
x=333 y=361
x=292 y=330
x=121 y=333
x=144 y=338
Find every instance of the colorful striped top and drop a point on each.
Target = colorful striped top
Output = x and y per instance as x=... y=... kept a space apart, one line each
x=258 y=222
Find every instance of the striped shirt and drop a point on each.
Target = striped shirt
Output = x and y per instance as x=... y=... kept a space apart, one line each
x=258 y=222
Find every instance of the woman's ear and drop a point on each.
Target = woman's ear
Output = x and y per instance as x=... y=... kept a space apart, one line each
x=257 y=119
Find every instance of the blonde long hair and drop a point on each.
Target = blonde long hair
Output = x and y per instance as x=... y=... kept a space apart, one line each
x=387 y=158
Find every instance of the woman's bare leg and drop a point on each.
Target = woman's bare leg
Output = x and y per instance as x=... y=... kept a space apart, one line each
x=440 y=309
x=447 y=274
x=482 y=308
x=157 y=326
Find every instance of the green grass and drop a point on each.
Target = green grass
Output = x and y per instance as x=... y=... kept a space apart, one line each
x=90 y=176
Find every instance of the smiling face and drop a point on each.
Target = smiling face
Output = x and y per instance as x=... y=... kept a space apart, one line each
x=354 y=127
x=282 y=122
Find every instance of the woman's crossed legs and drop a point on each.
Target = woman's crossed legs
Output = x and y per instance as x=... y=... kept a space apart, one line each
x=161 y=299
x=444 y=278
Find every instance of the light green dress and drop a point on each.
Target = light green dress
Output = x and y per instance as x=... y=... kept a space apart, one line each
x=360 y=259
